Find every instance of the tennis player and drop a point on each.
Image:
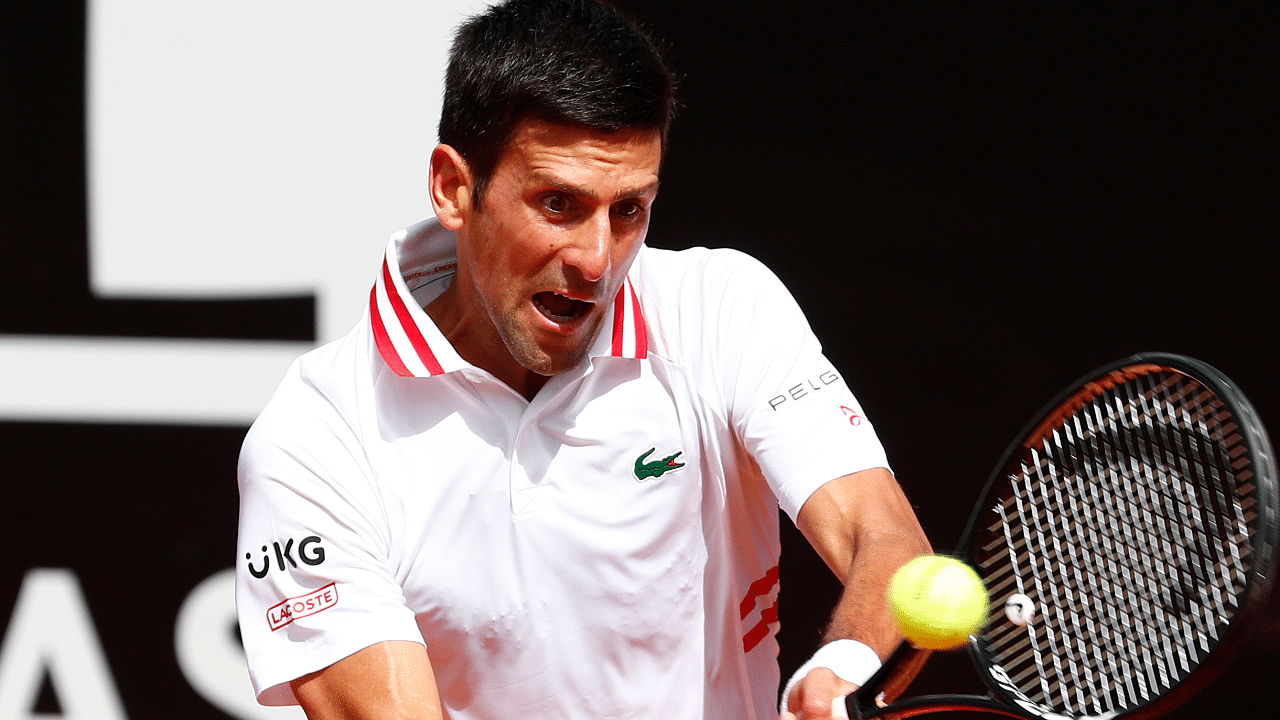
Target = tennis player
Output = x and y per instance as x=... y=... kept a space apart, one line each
x=540 y=477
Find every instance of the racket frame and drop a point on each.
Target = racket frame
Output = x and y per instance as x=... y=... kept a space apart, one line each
x=1003 y=697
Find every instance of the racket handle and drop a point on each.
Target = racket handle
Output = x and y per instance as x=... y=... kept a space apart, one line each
x=891 y=679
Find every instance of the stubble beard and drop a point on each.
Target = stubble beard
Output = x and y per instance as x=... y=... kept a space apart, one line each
x=529 y=354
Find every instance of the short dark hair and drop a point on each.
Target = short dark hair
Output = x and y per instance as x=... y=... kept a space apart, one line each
x=572 y=61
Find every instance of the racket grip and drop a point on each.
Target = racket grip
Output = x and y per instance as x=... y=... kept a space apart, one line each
x=891 y=679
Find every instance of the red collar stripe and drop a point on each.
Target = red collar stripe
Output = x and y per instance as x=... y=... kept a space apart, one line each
x=385 y=347
x=406 y=330
x=410 y=327
x=619 y=320
x=642 y=332
x=630 y=336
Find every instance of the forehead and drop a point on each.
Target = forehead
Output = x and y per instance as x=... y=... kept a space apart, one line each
x=575 y=154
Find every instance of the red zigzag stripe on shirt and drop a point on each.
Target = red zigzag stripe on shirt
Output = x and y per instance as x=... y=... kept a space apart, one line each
x=768 y=615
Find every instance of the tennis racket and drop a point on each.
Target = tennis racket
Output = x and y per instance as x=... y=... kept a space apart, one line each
x=1138 y=515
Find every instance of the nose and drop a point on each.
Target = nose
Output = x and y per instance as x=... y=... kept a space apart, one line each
x=589 y=251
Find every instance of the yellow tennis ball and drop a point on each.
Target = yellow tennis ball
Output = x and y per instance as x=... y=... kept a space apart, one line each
x=938 y=601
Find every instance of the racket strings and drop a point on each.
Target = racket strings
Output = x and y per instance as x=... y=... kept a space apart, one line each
x=1128 y=525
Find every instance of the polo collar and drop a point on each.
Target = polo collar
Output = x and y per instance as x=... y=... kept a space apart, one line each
x=412 y=345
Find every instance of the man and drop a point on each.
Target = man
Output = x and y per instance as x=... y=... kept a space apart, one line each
x=540 y=478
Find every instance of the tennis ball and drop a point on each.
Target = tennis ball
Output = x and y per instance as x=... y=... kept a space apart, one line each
x=938 y=601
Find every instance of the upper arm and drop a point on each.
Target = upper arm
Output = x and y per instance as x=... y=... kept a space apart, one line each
x=386 y=681
x=315 y=577
x=860 y=510
x=788 y=405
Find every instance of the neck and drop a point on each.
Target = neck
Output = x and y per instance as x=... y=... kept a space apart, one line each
x=532 y=383
x=479 y=344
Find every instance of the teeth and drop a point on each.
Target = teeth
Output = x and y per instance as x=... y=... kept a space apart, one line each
x=543 y=309
x=574 y=307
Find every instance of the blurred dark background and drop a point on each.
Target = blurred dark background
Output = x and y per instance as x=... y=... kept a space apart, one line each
x=976 y=203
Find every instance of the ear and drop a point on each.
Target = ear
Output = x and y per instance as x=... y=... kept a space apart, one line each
x=451 y=187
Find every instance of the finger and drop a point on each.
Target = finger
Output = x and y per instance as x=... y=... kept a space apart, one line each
x=822 y=696
x=817 y=710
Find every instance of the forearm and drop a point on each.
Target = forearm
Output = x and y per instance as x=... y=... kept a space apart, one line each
x=864 y=528
x=863 y=613
x=386 y=681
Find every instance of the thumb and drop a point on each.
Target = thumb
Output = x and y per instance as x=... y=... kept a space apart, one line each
x=820 y=694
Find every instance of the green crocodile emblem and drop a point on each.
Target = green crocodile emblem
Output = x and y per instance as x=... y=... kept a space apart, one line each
x=657 y=468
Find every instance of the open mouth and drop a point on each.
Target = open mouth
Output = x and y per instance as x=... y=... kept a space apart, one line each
x=560 y=309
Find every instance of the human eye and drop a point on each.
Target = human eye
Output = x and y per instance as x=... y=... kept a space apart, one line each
x=557 y=204
x=628 y=210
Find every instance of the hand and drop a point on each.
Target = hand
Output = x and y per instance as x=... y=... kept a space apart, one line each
x=819 y=695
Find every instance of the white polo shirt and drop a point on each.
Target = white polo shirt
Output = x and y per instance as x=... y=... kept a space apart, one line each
x=606 y=550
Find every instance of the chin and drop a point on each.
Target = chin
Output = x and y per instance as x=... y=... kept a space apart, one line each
x=543 y=363
x=539 y=358
x=550 y=358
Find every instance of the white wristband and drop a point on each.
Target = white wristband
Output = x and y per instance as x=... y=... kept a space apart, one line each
x=850 y=660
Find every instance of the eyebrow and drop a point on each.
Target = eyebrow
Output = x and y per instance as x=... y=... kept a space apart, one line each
x=581 y=191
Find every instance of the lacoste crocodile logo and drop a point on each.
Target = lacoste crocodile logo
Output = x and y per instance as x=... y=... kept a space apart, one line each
x=657 y=468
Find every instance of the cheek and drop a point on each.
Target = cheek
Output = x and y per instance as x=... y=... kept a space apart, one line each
x=526 y=245
x=494 y=242
x=625 y=251
x=510 y=255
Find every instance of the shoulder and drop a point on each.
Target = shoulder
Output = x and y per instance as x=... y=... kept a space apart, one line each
x=702 y=284
x=701 y=304
x=321 y=376
x=700 y=268
x=313 y=413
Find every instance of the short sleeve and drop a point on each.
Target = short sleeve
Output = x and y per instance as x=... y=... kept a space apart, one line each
x=314 y=578
x=790 y=407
